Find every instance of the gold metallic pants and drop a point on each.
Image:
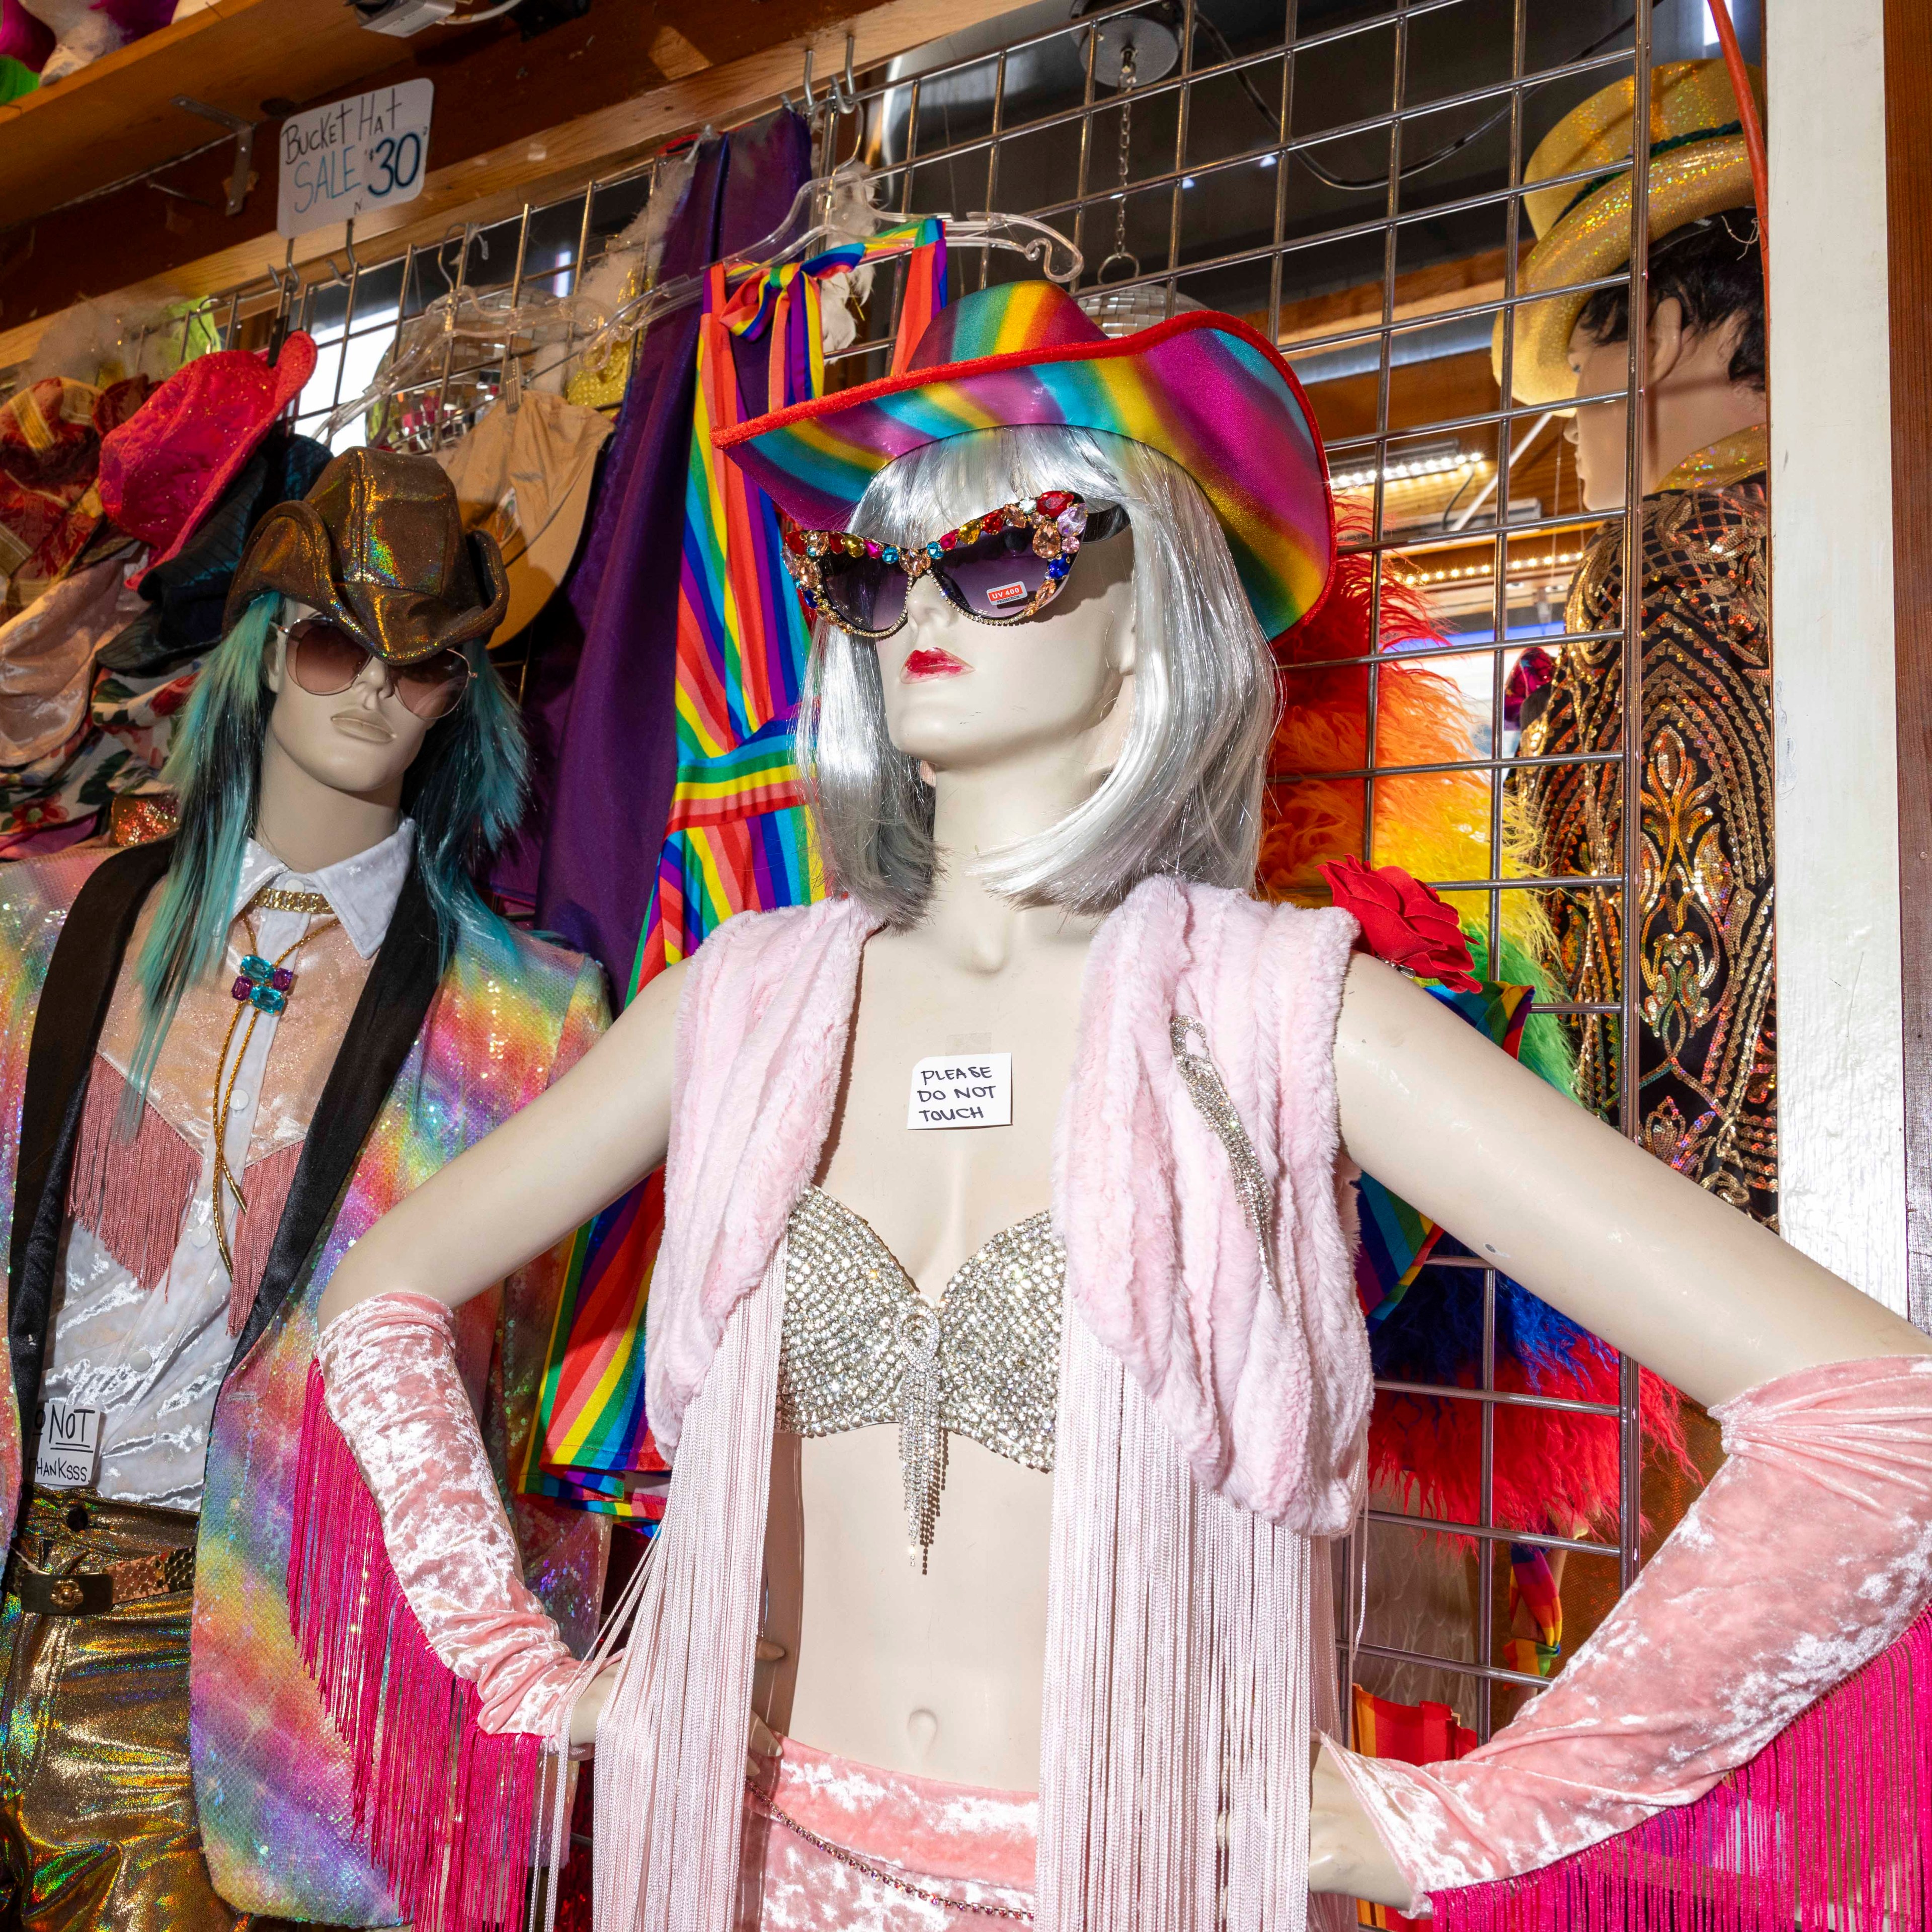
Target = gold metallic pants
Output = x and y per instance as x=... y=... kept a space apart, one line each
x=98 y=1830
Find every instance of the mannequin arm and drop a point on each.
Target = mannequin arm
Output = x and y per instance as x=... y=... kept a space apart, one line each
x=546 y=1171
x=1600 y=1229
x=1609 y=1235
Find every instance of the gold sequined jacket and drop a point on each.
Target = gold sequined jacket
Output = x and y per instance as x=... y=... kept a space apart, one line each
x=1707 y=1053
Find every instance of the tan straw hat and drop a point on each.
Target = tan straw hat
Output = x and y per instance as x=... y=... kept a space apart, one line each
x=523 y=475
x=1698 y=167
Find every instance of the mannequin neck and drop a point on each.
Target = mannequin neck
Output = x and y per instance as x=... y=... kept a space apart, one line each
x=979 y=810
x=1682 y=420
x=307 y=824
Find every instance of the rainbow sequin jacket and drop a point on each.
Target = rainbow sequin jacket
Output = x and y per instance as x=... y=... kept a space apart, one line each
x=431 y=1060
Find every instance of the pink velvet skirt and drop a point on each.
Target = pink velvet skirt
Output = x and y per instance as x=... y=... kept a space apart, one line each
x=831 y=1845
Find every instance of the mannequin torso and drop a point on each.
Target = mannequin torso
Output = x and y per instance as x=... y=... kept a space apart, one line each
x=940 y=1673
x=936 y=1673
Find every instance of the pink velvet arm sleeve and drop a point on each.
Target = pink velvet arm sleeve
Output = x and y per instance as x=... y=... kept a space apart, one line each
x=1808 y=1557
x=392 y=1388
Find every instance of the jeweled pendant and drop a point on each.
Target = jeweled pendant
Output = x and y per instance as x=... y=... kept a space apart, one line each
x=263 y=985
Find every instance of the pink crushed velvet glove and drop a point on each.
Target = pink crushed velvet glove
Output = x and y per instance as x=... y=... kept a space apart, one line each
x=389 y=1367
x=1810 y=1553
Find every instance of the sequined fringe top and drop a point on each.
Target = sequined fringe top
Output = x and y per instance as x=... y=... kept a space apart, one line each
x=863 y=1347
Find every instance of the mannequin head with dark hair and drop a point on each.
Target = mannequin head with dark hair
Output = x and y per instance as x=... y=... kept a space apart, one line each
x=1705 y=356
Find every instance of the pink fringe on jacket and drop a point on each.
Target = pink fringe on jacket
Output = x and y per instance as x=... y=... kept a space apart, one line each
x=266 y=1184
x=450 y=1827
x=130 y=1194
x=1828 y=1829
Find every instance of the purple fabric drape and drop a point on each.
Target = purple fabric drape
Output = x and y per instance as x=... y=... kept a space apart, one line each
x=599 y=703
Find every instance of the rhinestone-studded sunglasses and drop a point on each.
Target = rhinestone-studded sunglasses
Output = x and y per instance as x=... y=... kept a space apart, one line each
x=1000 y=568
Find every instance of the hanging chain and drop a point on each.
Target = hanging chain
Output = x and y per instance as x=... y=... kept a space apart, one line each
x=1121 y=252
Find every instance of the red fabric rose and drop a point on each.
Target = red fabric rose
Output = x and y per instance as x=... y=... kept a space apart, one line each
x=1403 y=922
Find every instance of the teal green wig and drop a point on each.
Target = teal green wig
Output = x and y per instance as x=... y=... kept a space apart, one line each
x=464 y=791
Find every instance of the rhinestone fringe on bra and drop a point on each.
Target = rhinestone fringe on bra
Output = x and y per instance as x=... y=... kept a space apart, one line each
x=863 y=1347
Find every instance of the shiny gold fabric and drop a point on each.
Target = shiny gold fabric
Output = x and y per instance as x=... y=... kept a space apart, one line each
x=1584 y=226
x=378 y=547
x=98 y=1827
x=1734 y=458
x=1708 y=1053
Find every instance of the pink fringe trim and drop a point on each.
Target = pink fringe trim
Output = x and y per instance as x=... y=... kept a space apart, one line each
x=130 y=1195
x=447 y=1810
x=266 y=1184
x=1828 y=1829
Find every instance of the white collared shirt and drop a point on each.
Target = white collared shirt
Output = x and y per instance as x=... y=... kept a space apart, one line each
x=152 y=1359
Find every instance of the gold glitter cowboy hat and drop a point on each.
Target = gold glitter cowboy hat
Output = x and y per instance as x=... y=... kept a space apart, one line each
x=1698 y=167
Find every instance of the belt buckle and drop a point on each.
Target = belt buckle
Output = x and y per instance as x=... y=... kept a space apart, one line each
x=79 y=1596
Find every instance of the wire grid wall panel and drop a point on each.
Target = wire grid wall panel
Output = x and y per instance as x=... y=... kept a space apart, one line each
x=1345 y=175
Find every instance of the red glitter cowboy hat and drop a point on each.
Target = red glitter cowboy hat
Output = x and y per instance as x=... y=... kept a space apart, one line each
x=164 y=470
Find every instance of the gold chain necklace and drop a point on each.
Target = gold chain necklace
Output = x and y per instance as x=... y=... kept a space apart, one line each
x=261 y=986
x=274 y=899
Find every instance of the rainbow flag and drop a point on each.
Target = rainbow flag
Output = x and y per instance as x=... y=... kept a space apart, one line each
x=739 y=838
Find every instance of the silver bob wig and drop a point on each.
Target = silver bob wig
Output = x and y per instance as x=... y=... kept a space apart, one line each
x=1184 y=799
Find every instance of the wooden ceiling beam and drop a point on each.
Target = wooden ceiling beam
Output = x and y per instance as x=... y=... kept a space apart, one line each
x=553 y=161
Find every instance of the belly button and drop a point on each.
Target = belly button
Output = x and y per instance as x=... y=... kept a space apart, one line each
x=922 y=1732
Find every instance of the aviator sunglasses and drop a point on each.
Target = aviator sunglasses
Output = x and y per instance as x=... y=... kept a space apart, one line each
x=999 y=568
x=325 y=660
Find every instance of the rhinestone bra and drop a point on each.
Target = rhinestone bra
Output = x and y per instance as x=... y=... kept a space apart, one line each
x=863 y=1346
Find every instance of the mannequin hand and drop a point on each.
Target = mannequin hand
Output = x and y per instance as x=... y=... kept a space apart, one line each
x=590 y=1707
x=1345 y=1853
x=760 y=1743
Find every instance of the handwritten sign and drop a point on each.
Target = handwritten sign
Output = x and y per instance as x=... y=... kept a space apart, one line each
x=70 y=1447
x=339 y=162
x=961 y=1089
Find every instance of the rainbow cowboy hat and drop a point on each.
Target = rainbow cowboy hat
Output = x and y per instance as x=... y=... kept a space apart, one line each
x=1202 y=388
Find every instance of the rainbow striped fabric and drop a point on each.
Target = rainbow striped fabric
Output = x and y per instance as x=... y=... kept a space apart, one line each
x=1201 y=387
x=1533 y=1588
x=739 y=838
x=1424 y=1733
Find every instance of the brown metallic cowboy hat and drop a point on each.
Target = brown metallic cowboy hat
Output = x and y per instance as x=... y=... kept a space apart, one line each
x=378 y=547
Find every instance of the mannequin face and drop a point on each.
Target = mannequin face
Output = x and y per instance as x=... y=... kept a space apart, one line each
x=1692 y=402
x=360 y=742
x=961 y=696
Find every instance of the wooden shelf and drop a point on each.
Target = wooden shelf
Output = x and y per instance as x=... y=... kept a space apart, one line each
x=117 y=117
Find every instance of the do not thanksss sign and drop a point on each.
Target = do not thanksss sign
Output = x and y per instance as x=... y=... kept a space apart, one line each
x=341 y=161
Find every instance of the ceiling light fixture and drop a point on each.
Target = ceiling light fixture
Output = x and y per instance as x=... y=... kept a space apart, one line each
x=1407 y=469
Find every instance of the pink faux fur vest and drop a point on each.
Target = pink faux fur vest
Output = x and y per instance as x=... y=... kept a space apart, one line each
x=1266 y=1395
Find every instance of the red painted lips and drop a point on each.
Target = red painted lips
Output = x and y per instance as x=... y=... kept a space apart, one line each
x=924 y=663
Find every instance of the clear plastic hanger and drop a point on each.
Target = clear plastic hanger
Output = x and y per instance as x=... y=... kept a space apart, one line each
x=829 y=211
x=469 y=329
